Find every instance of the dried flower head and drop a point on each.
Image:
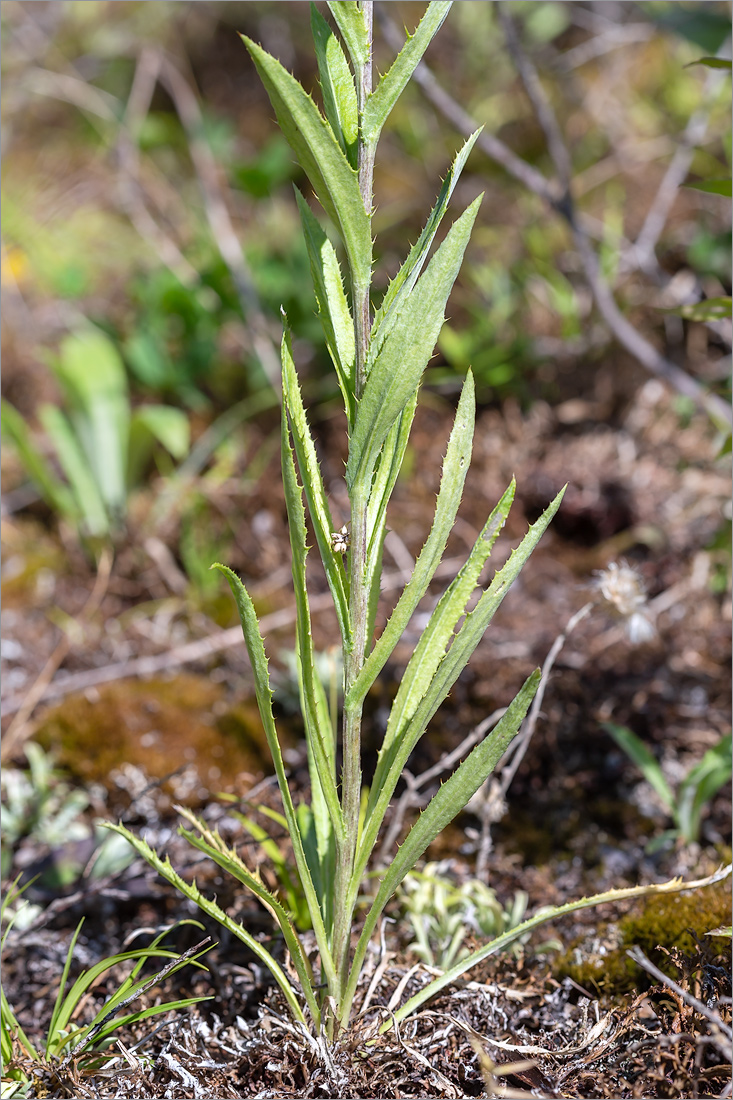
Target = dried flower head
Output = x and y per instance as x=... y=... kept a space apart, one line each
x=624 y=592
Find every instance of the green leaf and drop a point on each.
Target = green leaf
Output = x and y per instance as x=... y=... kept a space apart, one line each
x=394 y=375
x=53 y=491
x=79 y=474
x=92 y=374
x=315 y=491
x=393 y=759
x=713 y=187
x=213 y=846
x=405 y=279
x=711 y=309
x=191 y=891
x=700 y=786
x=320 y=155
x=443 y=807
x=439 y=633
x=263 y=694
x=59 y=1002
x=455 y=468
x=644 y=760
x=390 y=87
x=673 y=887
x=337 y=85
x=712 y=63
x=389 y=465
x=333 y=307
x=169 y=426
x=349 y=19
x=315 y=709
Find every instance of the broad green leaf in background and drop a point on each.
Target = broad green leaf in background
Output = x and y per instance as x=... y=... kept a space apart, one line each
x=79 y=472
x=390 y=87
x=409 y=344
x=700 y=785
x=322 y=158
x=151 y=424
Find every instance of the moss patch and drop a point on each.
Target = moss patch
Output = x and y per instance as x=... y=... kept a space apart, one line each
x=599 y=962
x=158 y=726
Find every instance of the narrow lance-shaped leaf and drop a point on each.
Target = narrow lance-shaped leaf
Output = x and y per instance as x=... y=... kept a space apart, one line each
x=674 y=886
x=333 y=306
x=75 y=465
x=191 y=891
x=395 y=374
x=53 y=491
x=317 y=719
x=263 y=694
x=314 y=489
x=389 y=767
x=455 y=468
x=212 y=845
x=337 y=85
x=390 y=87
x=440 y=631
x=349 y=19
x=407 y=275
x=443 y=807
x=320 y=155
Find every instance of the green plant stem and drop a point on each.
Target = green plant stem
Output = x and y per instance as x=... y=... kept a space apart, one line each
x=359 y=589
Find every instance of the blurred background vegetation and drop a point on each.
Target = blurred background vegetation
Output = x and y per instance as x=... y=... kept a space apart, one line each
x=150 y=236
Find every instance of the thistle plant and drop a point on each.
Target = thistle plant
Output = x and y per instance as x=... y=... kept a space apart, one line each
x=379 y=359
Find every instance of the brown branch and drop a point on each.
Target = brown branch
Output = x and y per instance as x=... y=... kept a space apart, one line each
x=559 y=198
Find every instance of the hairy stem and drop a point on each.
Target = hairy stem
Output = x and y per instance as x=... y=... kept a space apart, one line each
x=359 y=589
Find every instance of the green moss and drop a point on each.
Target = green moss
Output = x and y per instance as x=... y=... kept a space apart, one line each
x=599 y=962
x=158 y=725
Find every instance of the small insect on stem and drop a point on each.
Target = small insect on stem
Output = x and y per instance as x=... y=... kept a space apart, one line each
x=340 y=540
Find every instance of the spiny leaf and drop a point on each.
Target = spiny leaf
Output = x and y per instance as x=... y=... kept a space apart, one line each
x=322 y=158
x=395 y=375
